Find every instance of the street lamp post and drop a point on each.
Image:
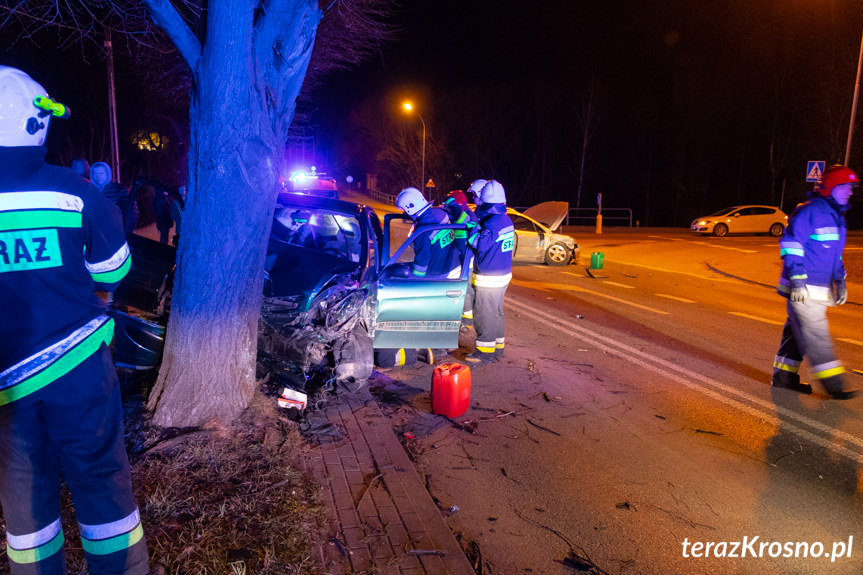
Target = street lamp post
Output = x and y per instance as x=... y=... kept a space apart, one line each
x=854 y=104
x=410 y=108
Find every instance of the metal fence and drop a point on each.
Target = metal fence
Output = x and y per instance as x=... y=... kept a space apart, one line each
x=382 y=197
x=586 y=216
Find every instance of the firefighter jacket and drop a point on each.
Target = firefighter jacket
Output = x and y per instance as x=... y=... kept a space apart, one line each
x=459 y=214
x=494 y=245
x=812 y=246
x=59 y=240
x=435 y=253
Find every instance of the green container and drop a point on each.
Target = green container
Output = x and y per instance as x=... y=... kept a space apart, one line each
x=596 y=259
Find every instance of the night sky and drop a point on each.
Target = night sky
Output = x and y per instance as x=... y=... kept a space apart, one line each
x=692 y=97
x=696 y=105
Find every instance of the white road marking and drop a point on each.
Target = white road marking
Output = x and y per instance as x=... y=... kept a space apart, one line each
x=619 y=285
x=851 y=341
x=675 y=298
x=756 y=318
x=726 y=248
x=760 y=408
x=568 y=287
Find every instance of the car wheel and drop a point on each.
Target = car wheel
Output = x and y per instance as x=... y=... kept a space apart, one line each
x=353 y=356
x=776 y=230
x=720 y=230
x=557 y=255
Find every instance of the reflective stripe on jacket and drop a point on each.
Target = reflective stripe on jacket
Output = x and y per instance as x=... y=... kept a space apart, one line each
x=812 y=246
x=59 y=240
x=495 y=243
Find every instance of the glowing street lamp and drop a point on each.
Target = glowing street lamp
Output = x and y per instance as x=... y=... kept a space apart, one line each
x=410 y=108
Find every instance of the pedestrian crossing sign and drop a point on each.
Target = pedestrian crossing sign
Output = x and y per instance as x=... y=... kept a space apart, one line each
x=814 y=171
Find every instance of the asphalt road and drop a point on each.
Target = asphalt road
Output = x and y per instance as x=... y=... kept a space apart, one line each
x=632 y=425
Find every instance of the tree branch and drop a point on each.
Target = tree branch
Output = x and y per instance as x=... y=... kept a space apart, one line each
x=168 y=19
x=284 y=37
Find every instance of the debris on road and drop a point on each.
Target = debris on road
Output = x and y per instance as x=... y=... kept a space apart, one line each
x=292 y=398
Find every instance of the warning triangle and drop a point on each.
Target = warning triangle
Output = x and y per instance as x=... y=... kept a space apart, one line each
x=814 y=173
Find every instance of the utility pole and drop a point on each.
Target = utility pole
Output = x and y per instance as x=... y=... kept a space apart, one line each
x=112 y=108
x=854 y=105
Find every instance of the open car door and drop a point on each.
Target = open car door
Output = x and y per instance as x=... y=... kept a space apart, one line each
x=416 y=312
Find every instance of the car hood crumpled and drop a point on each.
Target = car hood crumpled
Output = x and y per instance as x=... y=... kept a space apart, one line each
x=549 y=214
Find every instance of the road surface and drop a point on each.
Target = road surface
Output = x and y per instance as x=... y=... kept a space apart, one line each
x=631 y=427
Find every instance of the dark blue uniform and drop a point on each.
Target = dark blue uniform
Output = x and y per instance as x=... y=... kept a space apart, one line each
x=492 y=273
x=435 y=253
x=811 y=251
x=59 y=396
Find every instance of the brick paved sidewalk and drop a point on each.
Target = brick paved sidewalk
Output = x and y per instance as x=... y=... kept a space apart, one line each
x=381 y=518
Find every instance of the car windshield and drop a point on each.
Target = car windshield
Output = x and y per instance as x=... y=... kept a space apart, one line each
x=725 y=211
x=332 y=232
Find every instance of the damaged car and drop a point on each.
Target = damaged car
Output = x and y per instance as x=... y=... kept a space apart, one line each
x=536 y=238
x=336 y=291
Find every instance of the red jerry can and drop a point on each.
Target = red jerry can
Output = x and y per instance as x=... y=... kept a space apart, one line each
x=450 y=390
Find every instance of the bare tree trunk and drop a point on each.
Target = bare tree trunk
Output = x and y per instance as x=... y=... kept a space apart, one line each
x=241 y=108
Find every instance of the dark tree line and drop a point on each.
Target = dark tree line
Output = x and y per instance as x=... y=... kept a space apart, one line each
x=696 y=107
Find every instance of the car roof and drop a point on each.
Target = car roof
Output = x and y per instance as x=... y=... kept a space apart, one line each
x=291 y=199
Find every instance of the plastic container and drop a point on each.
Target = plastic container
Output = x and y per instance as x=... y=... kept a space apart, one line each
x=596 y=260
x=450 y=390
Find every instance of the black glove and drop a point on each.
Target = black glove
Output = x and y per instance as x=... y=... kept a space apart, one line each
x=840 y=292
x=799 y=293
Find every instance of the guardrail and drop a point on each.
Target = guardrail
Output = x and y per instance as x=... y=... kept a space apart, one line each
x=588 y=215
x=382 y=197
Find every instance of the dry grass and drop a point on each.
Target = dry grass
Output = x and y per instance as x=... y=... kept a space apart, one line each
x=230 y=502
x=227 y=502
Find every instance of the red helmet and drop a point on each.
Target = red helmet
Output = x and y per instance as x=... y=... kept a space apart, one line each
x=835 y=176
x=459 y=197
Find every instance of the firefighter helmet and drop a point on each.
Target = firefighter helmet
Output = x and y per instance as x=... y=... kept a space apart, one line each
x=492 y=193
x=835 y=176
x=412 y=201
x=22 y=123
x=475 y=188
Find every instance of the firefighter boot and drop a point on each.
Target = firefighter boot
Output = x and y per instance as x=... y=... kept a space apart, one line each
x=478 y=356
x=835 y=386
x=789 y=380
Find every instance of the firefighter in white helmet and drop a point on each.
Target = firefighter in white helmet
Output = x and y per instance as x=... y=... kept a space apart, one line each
x=494 y=245
x=60 y=407
x=475 y=189
x=435 y=254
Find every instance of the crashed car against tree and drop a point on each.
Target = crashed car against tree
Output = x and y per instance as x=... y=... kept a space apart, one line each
x=335 y=292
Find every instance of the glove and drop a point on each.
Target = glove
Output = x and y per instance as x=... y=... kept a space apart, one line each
x=799 y=293
x=472 y=239
x=840 y=292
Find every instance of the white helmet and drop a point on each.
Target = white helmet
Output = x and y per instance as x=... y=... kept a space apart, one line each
x=475 y=188
x=411 y=200
x=22 y=123
x=492 y=193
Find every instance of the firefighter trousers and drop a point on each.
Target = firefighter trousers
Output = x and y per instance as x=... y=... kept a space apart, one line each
x=488 y=319
x=75 y=426
x=807 y=334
